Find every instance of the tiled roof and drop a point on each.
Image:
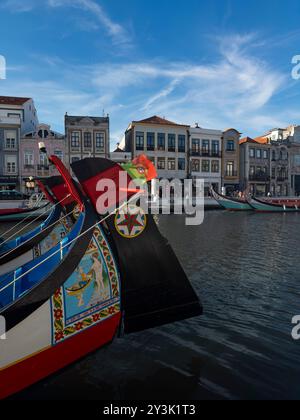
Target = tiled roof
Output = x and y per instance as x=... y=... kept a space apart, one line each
x=118 y=150
x=158 y=121
x=257 y=140
x=11 y=100
x=261 y=140
x=247 y=140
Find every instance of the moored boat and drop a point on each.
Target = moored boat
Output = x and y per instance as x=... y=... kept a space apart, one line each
x=19 y=248
x=69 y=302
x=229 y=203
x=274 y=206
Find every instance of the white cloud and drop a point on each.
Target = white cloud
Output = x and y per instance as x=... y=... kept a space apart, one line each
x=235 y=89
x=117 y=32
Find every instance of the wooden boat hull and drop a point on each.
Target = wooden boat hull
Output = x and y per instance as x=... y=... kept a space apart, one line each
x=231 y=204
x=271 y=207
x=61 y=331
x=15 y=215
x=49 y=329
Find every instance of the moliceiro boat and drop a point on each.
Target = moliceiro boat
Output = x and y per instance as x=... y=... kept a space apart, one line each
x=18 y=248
x=111 y=273
x=232 y=204
x=275 y=206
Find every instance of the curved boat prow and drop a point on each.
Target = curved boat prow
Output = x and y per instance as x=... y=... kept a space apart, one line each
x=155 y=288
x=230 y=203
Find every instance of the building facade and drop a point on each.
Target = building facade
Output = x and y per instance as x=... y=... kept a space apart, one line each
x=16 y=116
x=231 y=160
x=280 y=169
x=23 y=108
x=10 y=129
x=86 y=137
x=205 y=157
x=36 y=164
x=255 y=166
x=119 y=156
x=163 y=141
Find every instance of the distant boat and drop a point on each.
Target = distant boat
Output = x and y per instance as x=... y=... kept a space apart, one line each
x=229 y=203
x=275 y=205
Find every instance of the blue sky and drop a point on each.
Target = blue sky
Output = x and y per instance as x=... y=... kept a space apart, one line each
x=221 y=63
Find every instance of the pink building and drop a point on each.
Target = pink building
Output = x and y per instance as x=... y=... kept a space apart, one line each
x=32 y=162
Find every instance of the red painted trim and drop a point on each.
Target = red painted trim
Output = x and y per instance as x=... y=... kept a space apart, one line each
x=44 y=190
x=67 y=178
x=90 y=187
x=27 y=372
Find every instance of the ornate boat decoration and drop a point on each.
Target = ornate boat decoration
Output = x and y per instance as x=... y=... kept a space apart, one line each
x=69 y=301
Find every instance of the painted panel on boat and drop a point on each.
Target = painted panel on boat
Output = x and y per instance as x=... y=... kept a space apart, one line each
x=54 y=237
x=91 y=295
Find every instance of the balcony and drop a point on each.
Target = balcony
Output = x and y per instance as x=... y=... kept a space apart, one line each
x=282 y=178
x=211 y=154
x=259 y=178
x=43 y=170
x=231 y=174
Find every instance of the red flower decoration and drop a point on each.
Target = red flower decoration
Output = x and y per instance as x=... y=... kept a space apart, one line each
x=58 y=314
x=57 y=293
x=59 y=336
x=96 y=318
x=79 y=326
x=143 y=163
x=111 y=310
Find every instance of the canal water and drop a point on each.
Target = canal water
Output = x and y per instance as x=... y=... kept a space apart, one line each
x=245 y=268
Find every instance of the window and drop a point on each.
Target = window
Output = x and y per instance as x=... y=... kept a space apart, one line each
x=75 y=140
x=59 y=154
x=43 y=159
x=195 y=165
x=205 y=147
x=161 y=141
x=100 y=141
x=252 y=170
x=230 y=146
x=273 y=155
x=28 y=158
x=171 y=164
x=75 y=159
x=161 y=163
x=252 y=153
x=181 y=164
x=11 y=164
x=87 y=141
x=139 y=140
x=205 y=165
x=230 y=169
x=196 y=146
x=181 y=143
x=265 y=154
x=171 y=142
x=258 y=170
x=215 y=145
x=258 y=153
x=10 y=140
x=273 y=172
x=215 y=166
x=150 y=141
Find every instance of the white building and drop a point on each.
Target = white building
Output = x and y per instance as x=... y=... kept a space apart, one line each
x=22 y=108
x=163 y=141
x=206 y=156
x=119 y=156
x=17 y=116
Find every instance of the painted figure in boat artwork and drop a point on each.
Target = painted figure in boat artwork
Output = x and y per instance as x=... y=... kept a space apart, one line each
x=89 y=285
